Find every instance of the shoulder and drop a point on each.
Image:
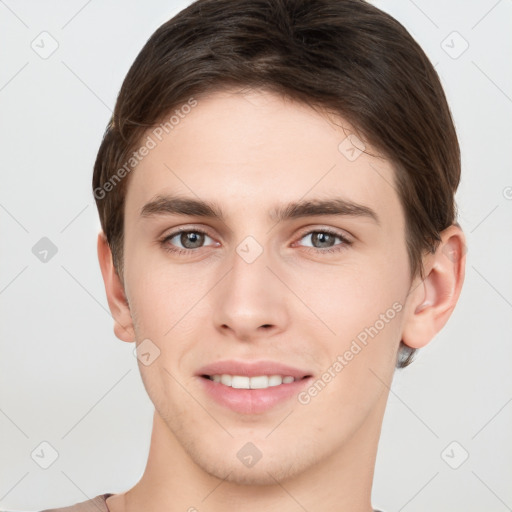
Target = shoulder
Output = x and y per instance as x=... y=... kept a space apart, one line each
x=96 y=504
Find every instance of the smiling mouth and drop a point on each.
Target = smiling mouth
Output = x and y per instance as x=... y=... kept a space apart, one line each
x=255 y=382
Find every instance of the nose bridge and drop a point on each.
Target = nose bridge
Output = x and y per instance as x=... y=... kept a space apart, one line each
x=250 y=295
x=249 y=268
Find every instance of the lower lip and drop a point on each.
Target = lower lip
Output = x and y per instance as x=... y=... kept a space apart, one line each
x=252 y=401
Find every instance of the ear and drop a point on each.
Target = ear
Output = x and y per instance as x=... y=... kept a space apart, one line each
x=431 y=301
x=123 y=324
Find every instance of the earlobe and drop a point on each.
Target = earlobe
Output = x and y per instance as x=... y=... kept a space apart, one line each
x=119 y=308
x=432 y=301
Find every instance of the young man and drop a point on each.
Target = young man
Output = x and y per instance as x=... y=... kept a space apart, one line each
x=276 y=192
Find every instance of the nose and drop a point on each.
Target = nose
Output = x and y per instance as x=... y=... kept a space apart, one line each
x=250 y=302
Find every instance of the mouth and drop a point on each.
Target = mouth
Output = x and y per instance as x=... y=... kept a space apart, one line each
x=252 y=387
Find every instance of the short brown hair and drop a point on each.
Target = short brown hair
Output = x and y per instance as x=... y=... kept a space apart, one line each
x=344 y=56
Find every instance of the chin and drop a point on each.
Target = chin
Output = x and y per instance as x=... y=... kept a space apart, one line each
x=272 y=461
x=261 y=474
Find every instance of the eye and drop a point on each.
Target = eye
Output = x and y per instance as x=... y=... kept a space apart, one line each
x=189 y=240
x=323 y=240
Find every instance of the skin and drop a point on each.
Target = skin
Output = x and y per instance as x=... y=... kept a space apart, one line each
x=249 y=152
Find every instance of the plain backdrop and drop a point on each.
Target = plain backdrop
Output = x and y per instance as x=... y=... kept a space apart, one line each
x=65 y=380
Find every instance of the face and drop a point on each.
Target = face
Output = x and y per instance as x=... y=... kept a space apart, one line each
x=319 y=288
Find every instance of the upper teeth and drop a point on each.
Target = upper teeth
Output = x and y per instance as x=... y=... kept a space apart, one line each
x=258 y=382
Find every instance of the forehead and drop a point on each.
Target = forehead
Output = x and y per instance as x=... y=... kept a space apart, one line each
x=256 y=150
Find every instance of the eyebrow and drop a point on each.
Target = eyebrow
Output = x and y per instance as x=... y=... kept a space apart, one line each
x=175 y=205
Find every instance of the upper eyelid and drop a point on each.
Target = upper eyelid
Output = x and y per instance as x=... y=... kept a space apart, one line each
x=178 y=231
x=334 y=231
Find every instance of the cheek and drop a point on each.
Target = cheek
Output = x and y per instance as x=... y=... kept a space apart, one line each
x=362 y=353
x=159 y=293
x=351 y=297
x=362 y=305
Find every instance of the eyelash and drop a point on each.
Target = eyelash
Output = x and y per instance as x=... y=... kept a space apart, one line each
x=188 y=252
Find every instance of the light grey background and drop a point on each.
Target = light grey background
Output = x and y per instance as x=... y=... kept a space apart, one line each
x=64 y=377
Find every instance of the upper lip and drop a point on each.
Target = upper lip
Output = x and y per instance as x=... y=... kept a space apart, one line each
x=252 y=369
